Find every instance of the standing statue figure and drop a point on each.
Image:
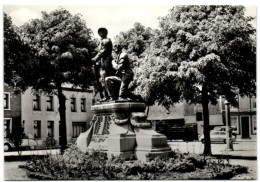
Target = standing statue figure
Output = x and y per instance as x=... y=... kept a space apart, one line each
x=104 y=60
x=118 y=85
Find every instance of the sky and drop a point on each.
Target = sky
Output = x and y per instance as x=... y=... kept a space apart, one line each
x=116 y=16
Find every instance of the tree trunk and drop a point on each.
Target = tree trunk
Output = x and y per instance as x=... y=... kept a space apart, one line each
x=62 y=110
x=147 y=110
x=205 y=102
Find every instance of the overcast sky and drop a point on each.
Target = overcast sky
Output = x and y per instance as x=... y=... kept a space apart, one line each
x=114 y=16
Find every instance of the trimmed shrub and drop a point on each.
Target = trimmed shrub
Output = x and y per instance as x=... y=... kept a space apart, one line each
x=95 y=165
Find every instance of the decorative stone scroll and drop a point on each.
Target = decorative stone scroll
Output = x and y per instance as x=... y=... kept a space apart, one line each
x=139 y=120
x=119 y=120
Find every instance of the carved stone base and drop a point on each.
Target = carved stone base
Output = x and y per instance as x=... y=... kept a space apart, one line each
x=125 y=155
x=150 y=143
x=98 y=142
x=84 y=139
x=121 y=143
x=144 y=155
x=121 y=129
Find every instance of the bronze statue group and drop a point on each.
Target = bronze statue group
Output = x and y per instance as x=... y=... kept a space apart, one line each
x=113 y=76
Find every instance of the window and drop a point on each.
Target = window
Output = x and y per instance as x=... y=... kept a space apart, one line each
x=83 y=104
x=254 y=124
x=77 y=128
x=234 y=123
x=199 y=116
x=253 y=103
x=233 y=107
x=50 y=128
x=6 y=101
x=73 y=105
x=7 y=127
x=36 y=103
x=49 y=103
x=37 y=129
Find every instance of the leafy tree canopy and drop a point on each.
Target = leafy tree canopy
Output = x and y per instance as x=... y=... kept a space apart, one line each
x=198 y=54
x=60 y=52
x=196 y=47
x=15 y=52
x=135 y=40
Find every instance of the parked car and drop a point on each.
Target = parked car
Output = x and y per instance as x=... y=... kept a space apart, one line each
x=217 y=136
x=223 y=128
x=28 y=142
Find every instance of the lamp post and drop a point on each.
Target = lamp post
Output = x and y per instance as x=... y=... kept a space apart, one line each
x=229 y=146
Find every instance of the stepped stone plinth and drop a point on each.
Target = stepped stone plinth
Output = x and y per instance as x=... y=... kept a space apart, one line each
x=121 y=129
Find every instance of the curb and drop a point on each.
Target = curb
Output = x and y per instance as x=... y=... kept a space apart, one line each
x=234 y=157
x=29 y=157
x=21 y=158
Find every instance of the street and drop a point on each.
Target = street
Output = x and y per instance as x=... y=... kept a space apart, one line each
x=33 y=152
x=241 y=148
x=13 y=172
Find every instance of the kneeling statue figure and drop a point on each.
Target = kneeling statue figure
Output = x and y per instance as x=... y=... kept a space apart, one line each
x=118 y=85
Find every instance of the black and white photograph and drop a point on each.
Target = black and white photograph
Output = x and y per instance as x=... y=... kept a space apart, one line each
x=129 y=90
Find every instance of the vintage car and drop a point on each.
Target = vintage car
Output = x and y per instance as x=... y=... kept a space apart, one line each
x=28 y=142
x=217 y=136
x=223 y=128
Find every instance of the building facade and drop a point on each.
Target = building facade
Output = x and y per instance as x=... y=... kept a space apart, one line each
x=243 y=118
x=193 y=113
x=12 y=110
x=174 y=114
x=42 y=119
x=40 y=115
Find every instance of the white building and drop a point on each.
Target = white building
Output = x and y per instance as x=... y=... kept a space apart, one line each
x=41 y=116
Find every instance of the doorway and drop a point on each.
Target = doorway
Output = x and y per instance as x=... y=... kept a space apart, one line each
x=245 y=126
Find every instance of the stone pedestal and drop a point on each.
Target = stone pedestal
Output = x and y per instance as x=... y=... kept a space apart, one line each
x=121 y=129
x=150 y=143
x=121 y=145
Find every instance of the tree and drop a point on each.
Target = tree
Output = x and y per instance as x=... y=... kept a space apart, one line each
x=60 y=47
x=17 y=135
x=136 y=40
x=15 y=51
x=199 y=54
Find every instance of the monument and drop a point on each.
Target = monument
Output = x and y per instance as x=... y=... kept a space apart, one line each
x=120 y=128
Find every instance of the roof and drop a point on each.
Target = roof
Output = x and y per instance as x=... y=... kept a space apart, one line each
x=70 y=87
x=161 y=113
x=215 y=120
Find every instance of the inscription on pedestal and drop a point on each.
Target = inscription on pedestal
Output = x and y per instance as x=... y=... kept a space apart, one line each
x=98 y=138
x=101 y=126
